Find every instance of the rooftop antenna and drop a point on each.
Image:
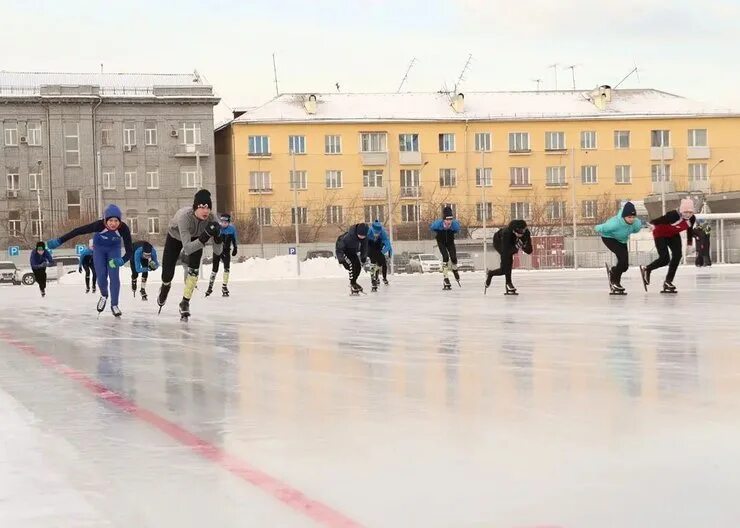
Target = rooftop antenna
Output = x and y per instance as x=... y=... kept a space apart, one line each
x=406 y=75
x=633 y=70
x=539 y=82
x=555 y=69
x=101 y=67
x=337 y=85
x=461 y=78
x=274 y=71
x=572 y=69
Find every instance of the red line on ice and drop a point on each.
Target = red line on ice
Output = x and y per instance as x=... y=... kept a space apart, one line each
x=286 y=494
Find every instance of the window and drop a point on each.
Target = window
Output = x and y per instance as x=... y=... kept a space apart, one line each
x=451 y=206
x=73 y=205
x=129 y=179
x=153 y=225
x=71 y=133
x=36 y=223
x=259 y=145
x=297 y=144
x=372 y=178
x=410 y=178
x=34 y=134
x=621 y=139
x=660 y=138
x=302 y=215
x=484 y=177
x=333 y=179
x=519 y=142
x=150 y=134
x=374 y=211
x=554 y=140
x=447 y=177
x=11 y=135
x=189 y=178
x=447 y=142
x=589 y=208
x=555 y=210
x=14 y=179
x=260 y=181
x=152 y=179
x=334 y=214
x=555 y=176
x=519 y=176
x=14 y=223
x=698 y=172
x=129 y=135
x=410 y=213
x=372 y=142
x=408 y=142
x=698 y=137
x=34 y=181
x=660 y=172
x=109 y=180
x=520 y=210
x=133 y=222
x=589 y=174
x=623 y=174
x=263 y=215
x=300 y=178
x=588 y=140
x=106 y=137
x=483 y=211
x=332 y=144
x=191 y=134
x=483 y=142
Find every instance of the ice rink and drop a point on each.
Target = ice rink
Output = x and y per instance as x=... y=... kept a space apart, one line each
x=292 y=404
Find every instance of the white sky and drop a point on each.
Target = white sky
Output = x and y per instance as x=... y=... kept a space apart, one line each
x=688 y=48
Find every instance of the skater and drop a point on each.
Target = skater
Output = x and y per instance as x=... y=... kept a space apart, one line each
x=86 y=262
x=109 y=233
x=378 y=246
x=190 y=230
x=40 y=259
x=347 y=247
x=667 y=234
x=615 y=233
x=445 y=229
x=228 y=235
x=507 y=242
x=702 y=234
x=144 y=261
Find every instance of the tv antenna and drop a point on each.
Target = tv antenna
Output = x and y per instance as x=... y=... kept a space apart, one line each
x=635 y=71
x=461 y=77
x=539 y=82
x=555 y=71
x=572 y=69
x=274 y=71
x=406 y=75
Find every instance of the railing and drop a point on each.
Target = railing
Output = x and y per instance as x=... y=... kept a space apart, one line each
x=411 y=192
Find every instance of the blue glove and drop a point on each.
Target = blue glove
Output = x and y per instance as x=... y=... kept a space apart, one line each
x=115 y=263
x=53 y=243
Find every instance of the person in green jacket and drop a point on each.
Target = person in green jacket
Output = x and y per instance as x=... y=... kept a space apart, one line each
x=615 y=233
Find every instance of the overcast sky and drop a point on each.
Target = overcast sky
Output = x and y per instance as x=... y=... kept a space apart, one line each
x=687 y=48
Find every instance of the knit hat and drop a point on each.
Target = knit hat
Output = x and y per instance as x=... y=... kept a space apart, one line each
x=146 y=250
x=112 y=211
x=629 y=209
x=202 y=197
x=518 y=226
x=361 y=230
x=447 y=213
x=687 y=206
x=41 y=245
x=225 y=217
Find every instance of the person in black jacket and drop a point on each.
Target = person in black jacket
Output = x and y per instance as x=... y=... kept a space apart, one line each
x=348 y=245
x=507 y=242
x=40 y=259
x=702 y=234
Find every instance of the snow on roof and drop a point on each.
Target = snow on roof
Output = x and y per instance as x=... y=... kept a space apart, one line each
x=481 y=106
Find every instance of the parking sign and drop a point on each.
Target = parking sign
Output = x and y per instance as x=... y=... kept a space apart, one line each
x=14 y=251
x=79 y=248
x=291 y=251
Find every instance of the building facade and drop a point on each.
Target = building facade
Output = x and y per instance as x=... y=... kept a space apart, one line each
x=329 y=160
x=75 y=142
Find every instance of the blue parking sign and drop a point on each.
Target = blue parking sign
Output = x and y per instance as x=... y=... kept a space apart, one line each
x=79 y=248
x=14 y=251
x=291 y=251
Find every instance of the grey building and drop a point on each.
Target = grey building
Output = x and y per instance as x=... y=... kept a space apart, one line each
x=72 y=143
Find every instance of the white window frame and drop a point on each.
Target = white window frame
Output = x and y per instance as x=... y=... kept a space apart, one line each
x=11 y=135
x=483 y=142
x=334 y=179
x=521 y=211
x=655 y=172
x=260 y=181
x=589 y=174
x=109 y=180
x=619 y=136
x=519 y=177
x=129 y=135
x=332 y=144
x=410 y=178
x=555 y=210
x=132 y=221
x=13 y=179
x=448 y=178
x=446 y=142
x=483 y=208
x=34 y=136
x=71 y=155
x=484 y=177
x=302 y=214
x=519 y=142
x=554 y=141
x=15 y=226
x=263 y=215
x=372 y=178
x=589 y=140
x=334 y=214
x=301 y=176
x=374 y=211
x=106 y=137
x=150 y=136
x=258 y=146
x=189 y=178
x=373 y=142
x=35 y=182
x=194 y=130
x=698 y=171
x=410 y=213
x=589 y=209
x=152 y=179
x=408 y=142
x=297 y=144
x=130 y=182
x=694 y=135
x=622 y=174
x=555 y=176
x=152 y=224
x=660 y=135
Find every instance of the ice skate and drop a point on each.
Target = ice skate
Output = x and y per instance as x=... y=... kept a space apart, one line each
x=614 y=287
x=164 y=290
x=374 y=284
x=510 y=290
x=184 y=309
x=456 y=274
x=645 y=274
x=224 y=291
x=489 y=277
x=209 y=291
x=355 y=289
x=116 y=311
x=142 y=292
x=87 y=290
x=43 y=293
x=668 y=287
x=101 y=303
x=446 y=284
x=133 y=286
x=385 y=281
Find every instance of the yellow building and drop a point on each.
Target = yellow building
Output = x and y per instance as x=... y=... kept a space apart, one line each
x=496 y=155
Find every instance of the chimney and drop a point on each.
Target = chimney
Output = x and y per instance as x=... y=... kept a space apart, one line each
x=458 y=103
x=310 y=104
x=601 y=96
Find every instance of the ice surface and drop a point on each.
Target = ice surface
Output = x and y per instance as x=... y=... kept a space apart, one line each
x=410 y=407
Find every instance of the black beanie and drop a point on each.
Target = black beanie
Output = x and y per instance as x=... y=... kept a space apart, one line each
x=40 y=245
x=202 y=197
x=361 y=230
x=447 y=213
x=518 y=226
x=629 y=210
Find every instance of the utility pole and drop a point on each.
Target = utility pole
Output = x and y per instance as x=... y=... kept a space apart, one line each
x=483 y=181
x=572 y=69
x=38 y=200
x=662 y=175
x=99 y=184
x=390 y=202
x=296 y=216
x=274 y=71
x=573 y=192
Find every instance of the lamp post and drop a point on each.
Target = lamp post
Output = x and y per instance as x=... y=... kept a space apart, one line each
x=709 y=177
x=418 y=206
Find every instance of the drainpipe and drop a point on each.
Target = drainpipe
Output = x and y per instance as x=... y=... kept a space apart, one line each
x=96 y=160
x=49 y=167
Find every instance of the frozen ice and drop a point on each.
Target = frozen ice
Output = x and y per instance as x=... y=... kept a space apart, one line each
x=409 y=407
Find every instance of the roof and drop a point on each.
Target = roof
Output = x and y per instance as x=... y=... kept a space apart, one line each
x=481 y=106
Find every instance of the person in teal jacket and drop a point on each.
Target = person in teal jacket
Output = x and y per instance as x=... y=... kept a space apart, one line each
x=615 y=233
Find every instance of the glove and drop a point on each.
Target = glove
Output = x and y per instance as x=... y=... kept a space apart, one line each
x=212 y=230
x=651 y=227
x=115 y=263
x=363 y=260
x=233 y=252
x=53 y=243
x=519 y=243
x=152 y=265
x=79 y=270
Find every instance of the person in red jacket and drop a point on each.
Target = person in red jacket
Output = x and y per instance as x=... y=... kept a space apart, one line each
x=667 y=234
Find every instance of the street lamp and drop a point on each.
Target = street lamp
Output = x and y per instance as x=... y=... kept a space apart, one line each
x=418 y=206
x=709 y=182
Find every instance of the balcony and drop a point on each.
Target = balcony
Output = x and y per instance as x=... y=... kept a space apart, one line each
x=191 y=151
x=657 y=155
x=661 y=187
x=374 y=158
x=556 y=184
x=263 y=190
x=411 y=192
x=698 y=153
x=374 y=193
x=409 y=158
x=700 y=186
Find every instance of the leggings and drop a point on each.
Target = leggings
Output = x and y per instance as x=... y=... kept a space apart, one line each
x=351 y=263
x=507 y=263
x=446 y=245
x=89 y=267
x=376 y=257
x=620 y=251
x=40 y=275
x=664 y=245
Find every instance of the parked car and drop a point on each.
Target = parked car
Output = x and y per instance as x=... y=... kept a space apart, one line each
x=69 y=265
x=424 y=263
x=465 y=262
x=7 y=271
x=400 y=263
x=319 y=253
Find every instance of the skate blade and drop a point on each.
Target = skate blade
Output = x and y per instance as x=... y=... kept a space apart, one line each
x=669 y=291
x=617 y=293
